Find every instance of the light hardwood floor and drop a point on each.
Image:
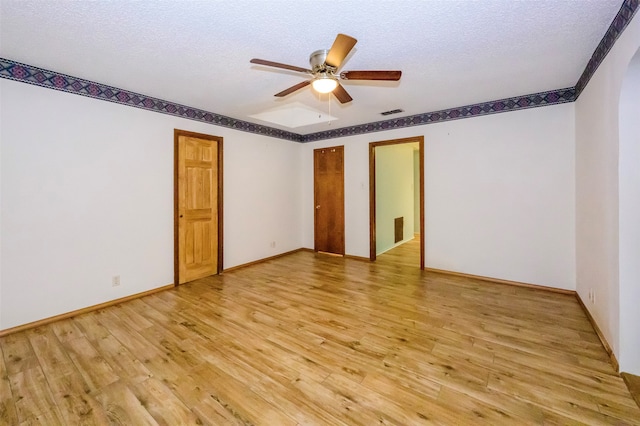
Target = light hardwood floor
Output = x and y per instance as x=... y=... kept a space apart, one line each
x=313 y=339
x=407 y=254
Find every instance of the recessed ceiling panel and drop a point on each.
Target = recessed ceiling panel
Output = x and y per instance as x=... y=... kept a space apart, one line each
x=294 y=115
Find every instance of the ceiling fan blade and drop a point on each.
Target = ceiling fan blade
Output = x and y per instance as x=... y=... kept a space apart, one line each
x=342 y=94
x=279 y=65
x=293 y=88
x=371 y=75
x=340 y=49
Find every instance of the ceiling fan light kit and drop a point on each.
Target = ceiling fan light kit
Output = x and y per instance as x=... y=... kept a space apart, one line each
x=324 y=69
x=324 y=84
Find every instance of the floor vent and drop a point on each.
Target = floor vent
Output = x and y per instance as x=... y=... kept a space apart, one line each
x=398 y=225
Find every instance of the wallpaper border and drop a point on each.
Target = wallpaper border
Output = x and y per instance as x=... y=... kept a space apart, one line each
x=617 y=27
x=25 y=73
x=552 y=97
x=53 y=80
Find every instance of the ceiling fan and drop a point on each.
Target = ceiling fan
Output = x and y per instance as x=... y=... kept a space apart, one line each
x=324 y=69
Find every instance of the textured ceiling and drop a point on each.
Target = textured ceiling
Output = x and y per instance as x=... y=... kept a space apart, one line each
x=197 y=53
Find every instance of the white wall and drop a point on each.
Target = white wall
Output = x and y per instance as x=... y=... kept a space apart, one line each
x=416 y=191
x=87 y=193
x=499 y=194
x=394 y=194
x=597 y=212
x=261 y=198
x=1 y=205
x=86 y=190
x=629 y=214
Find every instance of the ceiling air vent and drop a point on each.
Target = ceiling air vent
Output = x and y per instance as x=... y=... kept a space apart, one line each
x=393 y=111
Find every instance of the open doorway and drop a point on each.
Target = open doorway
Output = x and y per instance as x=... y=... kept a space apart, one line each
x=396 y=195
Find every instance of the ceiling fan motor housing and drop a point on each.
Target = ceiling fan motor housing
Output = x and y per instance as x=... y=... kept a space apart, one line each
x=317 y=62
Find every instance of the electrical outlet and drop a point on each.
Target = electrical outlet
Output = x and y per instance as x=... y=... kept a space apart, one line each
x=115 y=281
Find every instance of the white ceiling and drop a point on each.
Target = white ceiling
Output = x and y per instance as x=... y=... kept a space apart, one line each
x=452 y=53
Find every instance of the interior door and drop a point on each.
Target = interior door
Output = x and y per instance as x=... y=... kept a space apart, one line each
x=198 y=206
x=328 y=173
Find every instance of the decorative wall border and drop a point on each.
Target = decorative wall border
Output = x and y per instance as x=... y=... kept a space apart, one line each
x=52 y=80
x=503 y=105
x=618 y=25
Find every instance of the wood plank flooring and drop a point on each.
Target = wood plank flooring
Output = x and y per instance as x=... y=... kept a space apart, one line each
x=313 y=339
x=633 y=384
x=407 y=254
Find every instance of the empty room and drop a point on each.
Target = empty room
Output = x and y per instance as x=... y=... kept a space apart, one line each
x=310 y=212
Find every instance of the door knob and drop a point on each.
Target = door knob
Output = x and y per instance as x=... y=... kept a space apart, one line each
x=318 y=206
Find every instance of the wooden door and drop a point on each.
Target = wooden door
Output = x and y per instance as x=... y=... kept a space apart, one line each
x=198 y=206
x=328 y=173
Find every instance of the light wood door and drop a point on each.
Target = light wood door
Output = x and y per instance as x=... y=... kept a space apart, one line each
x=328 y=172
x=198 y=206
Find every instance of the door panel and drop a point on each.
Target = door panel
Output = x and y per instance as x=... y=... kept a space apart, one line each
x=198 y=212
x=329 y=199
